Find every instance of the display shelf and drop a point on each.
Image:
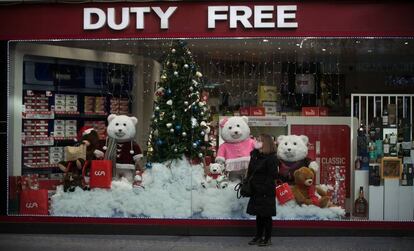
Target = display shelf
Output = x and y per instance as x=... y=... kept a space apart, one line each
x=43 y=166
x=81 y=115
x=38 y=115
x=31 y=141
x=64 y=113
x=58 y=89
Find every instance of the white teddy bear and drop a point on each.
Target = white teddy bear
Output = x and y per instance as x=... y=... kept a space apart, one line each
x=235 y=151
x=292 y=154
x=123 y=149
x=215 y=177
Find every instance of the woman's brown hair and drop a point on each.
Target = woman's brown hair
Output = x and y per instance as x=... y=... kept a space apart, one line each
x=268 y=144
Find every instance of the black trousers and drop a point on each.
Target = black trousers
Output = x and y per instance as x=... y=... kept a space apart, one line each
x=264 y=226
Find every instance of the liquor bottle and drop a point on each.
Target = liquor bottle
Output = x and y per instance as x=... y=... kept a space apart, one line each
x=385 y=117
x=372 y=152
x=372 y=132
x=358 y=163
x=404 y=180
x=374 y=178
x=378 y=148
x=393 y=150
x=361 y=205
x=386 y=146
x=400 y=150
x=393 y=139
x=410 y=177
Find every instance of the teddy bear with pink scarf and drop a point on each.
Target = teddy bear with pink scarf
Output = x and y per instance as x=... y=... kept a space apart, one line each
x=235 y=151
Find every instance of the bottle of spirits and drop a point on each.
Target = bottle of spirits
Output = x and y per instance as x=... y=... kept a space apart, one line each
x=393 y=139
x=404 y=179
x=372 y=152
x=358 y=163
x=410 y=177
x=361 y=205
x=386 y=146
x=385 y=117
x=393 y=150
x=372 y=132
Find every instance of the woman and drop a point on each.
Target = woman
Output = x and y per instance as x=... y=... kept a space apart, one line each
x=263 y=170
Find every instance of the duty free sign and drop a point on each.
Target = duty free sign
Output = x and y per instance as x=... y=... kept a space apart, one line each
x=196 y=19
x=264 y=16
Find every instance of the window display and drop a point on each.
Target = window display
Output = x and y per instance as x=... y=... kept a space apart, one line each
x=164 y=128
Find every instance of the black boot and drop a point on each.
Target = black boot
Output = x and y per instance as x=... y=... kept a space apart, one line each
x=256 y=240
x=265 y=242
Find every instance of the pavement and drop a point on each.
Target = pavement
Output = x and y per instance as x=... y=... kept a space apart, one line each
x=43 y=242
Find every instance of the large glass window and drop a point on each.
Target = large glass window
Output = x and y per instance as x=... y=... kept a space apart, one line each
x=133 y=128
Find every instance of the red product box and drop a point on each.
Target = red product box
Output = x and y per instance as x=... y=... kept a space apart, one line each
x=244 y=111
x=257 y=111
x=314 y=111
x=337 y=178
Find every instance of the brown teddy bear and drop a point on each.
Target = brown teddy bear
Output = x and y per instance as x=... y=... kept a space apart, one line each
x=305 y=191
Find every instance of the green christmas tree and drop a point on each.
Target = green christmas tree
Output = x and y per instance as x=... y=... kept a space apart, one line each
x=180 y=119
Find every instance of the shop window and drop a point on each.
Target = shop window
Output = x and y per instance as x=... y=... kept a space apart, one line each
x=351 y=98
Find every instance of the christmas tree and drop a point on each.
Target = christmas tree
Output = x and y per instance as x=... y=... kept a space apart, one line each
x=180 y=119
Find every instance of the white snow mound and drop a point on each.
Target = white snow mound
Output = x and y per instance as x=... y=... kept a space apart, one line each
x=172 y=190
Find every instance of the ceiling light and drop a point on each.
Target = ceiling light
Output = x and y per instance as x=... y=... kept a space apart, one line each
x=406 y=43
x=369 y=51
x=265 y=40
x=298 y=45
x=323 y=49
x=357 y=42
x=279 y=48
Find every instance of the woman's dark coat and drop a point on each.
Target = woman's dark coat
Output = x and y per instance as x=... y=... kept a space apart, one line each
x=263 y=201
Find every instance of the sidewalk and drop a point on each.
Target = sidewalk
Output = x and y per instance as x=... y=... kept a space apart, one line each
x=26 y=242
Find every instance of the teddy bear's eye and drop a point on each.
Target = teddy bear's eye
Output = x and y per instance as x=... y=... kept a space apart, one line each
x=229 y=127
x=117 y=124
x=285 y=143
x=238 y=125
x=124 y=124
x=294 y=143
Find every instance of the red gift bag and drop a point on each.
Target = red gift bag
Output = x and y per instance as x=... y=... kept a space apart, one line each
x=100 y=174
x=284 y=193
x=34 y=202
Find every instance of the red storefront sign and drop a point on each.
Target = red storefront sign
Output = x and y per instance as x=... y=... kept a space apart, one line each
x=227 y=19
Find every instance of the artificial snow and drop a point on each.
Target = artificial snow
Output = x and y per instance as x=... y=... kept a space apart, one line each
x=172 y=190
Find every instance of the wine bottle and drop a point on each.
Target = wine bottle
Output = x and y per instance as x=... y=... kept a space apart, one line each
x=372 y=152
x=404 y=180
x=385 y=117
x=393 y=139
x=361 y=204
x=410 y=175
x=386 y=146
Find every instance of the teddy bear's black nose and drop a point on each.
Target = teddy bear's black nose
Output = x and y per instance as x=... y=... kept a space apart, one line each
x=289 y=149
x=120 y=130
x=236 y=132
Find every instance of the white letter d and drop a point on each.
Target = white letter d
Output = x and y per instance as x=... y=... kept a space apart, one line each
x=87 y=18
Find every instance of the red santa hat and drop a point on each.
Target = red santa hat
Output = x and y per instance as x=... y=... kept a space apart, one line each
x=84 y=131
